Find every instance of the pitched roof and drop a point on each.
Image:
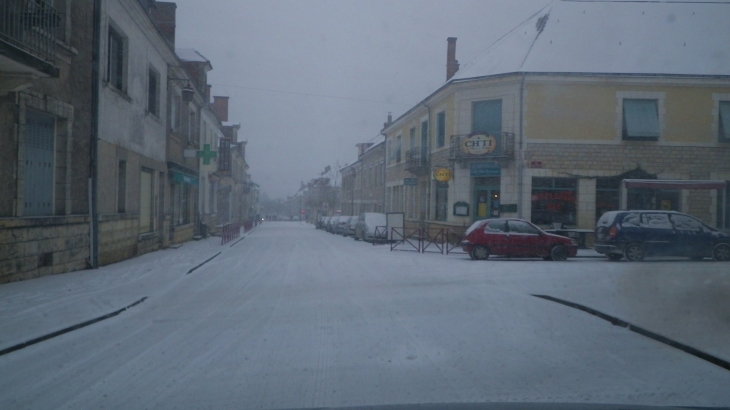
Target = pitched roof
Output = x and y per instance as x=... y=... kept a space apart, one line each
x=192 y=55
x=613 y=37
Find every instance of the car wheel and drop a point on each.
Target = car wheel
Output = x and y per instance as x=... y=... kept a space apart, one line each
x=479 y=253
x=559 y=253
x=634 y=252
x=721 y=253
x=615 y=257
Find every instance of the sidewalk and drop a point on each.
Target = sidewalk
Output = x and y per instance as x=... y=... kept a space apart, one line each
x=34 y=308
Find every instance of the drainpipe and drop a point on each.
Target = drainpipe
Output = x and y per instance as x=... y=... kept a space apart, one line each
x=521 y=153
x=428 y=152
x=93 y=161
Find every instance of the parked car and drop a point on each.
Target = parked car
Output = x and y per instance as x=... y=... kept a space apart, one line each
x=367 y=223
x=330 y=227
x=515 y=238
x=342 y=224
x=350 y=228
x=638 y=234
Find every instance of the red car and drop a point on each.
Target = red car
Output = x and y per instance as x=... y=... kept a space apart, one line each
x=515 y=237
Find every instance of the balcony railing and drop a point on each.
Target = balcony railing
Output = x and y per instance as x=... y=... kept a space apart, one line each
x=416 y=160
x=31 y=26
x=482 y=146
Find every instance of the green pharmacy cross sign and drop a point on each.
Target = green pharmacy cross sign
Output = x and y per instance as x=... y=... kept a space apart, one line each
x=206 y=154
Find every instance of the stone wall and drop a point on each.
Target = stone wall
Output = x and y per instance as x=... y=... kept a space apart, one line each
x=35 y=247
x=118 y=237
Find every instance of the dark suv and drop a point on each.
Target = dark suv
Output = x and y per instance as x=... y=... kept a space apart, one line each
x=636 y=234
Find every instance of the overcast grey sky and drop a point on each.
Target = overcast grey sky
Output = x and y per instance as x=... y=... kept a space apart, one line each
x=309 y=79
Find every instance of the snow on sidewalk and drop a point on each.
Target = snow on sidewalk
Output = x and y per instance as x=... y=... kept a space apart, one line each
x=34 y=308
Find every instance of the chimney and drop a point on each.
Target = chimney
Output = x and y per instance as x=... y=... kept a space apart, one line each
x=220 y=108
x=390 y=121
x=207 y=93
x=452 y=64
x=163 y=14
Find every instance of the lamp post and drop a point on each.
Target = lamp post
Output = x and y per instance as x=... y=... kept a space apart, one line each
x=187 y=92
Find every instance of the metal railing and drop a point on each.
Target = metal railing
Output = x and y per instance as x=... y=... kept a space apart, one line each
x=505 y=147
x=416 y=160
x=30 y=25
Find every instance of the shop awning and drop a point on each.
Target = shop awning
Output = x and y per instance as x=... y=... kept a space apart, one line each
x=182 y=178
x=675 y=184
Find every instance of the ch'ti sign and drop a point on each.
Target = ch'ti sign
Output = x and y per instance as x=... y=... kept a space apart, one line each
x=479 y=144
x=442 y=174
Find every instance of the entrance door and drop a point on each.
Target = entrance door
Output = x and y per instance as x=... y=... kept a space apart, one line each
x=486 y=202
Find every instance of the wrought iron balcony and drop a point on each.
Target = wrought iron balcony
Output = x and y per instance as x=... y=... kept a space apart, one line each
x=481 y=146
x=416 y=161
x=28 y=33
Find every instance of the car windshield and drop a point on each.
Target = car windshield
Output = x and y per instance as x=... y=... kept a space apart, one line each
x=350 y=204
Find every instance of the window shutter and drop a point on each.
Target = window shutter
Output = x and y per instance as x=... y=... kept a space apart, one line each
x=725 y=120
x=39 y=163
x=487 y=117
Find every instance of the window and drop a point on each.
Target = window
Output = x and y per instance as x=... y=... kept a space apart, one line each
x=440 y=129
x=397 y=148
x=607 y=195
x=424 y=140
x=175 y=113
x=640 y=120
x=724 y=122
x=519 y=227
x=685 y=223
x=146 y=194
x=153 y=93
x=181 y=198
x=496 y=226
x=442 y=200
x=390 y=151
x=116 y=61
x=554 y=200
x=657 y=221
x=192 y=131
x=39 y=163
x=211 y=197
x=412 y=138
x=632 y=220
x=121 y=186
x=487 y=116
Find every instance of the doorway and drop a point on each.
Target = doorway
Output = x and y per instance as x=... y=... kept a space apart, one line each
x=486 y=202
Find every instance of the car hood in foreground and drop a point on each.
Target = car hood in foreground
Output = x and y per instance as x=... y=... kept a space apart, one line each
x=510 y=406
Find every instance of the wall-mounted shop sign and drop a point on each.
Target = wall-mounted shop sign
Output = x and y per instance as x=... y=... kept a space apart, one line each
x=410 y=181
x=479 y=144
x=184 y=179
x=442 y=174
x=461 y=209
x=485 y=169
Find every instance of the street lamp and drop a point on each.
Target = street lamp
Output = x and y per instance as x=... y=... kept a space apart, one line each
x=187 y=92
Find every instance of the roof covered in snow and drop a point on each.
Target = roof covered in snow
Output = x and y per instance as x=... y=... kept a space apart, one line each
x=613 y=37
x=191 y=55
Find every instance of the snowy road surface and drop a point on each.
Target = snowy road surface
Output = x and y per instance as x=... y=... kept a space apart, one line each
x=292 y=317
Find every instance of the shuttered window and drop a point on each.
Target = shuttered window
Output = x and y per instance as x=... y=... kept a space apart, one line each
x=441 y=129
x=724 y=121
x=487 y=117
x=145 y=201
x=640 y=120
x=39 y=163
x=115 y=63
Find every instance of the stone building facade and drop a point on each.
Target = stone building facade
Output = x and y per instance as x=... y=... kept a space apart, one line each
x=363 y=181
x=45 y=121
x=530 y=130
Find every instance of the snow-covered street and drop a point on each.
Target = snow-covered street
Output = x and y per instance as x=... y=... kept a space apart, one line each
x=293 y=317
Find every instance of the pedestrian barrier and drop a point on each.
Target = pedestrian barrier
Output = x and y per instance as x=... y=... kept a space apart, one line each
x=230 y=232
x=248 y=225
x=425 y=240
x=380 y=236
x=402 y=240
